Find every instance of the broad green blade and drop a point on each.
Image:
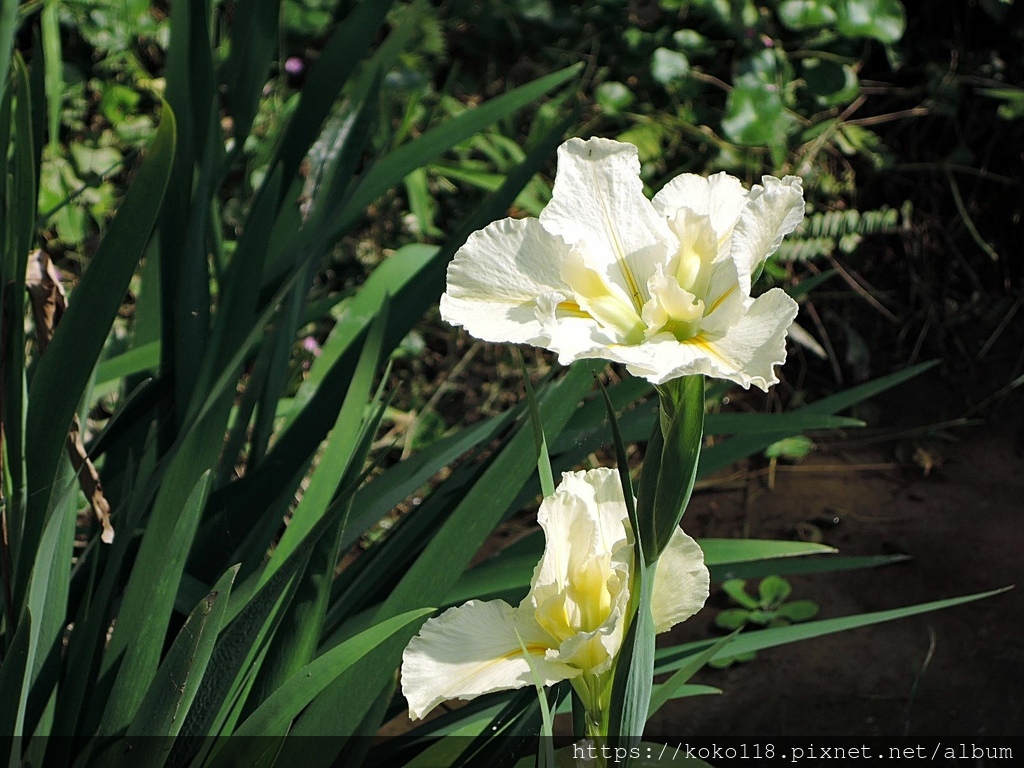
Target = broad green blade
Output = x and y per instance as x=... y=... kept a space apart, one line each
x=305 y=433
x=138 y=640
x=760 y=568
x=726 y=551
x=740 y=446
x=47 y=600
x=19 y=194
x=54 y=77
x=345 y=49
x=395 y=166
x=447 y=554
x=295 y=643
x=140 y=359
x=253 y=41
x=634 y=667
x=239 y=295
x=795 y=421
x=12 y=681
x=8 y=28
x=274 y=715
x=547 y=483
x=172 y=691
x=673 y=687
x=669 y=659
x=64 y=371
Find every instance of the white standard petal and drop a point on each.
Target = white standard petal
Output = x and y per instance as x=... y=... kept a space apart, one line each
x=681 y=582
x=598 y=199
x=601 y=489
x=472 y=650
x=495 y=279
x=720 y=197
x=774 y=210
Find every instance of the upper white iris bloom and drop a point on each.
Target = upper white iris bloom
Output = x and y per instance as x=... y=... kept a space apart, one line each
x=572 y=621
x=661 y=285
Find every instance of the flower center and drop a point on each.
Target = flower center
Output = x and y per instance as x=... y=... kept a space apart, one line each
x=677 y=294
x=605 y=302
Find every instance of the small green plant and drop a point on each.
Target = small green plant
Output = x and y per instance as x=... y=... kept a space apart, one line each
x=769 y=609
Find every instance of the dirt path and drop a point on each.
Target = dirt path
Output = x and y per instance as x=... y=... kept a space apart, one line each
x=955 y=675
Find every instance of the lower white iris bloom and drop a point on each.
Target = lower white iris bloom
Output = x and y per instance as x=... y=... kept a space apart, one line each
x=572 y=621
x=661 y=285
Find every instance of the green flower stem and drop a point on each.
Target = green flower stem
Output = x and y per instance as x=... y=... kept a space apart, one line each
x=670 y=464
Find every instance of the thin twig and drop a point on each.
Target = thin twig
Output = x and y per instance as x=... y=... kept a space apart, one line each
x=968 y=221
x=888 y=118
x=863 y=291
x=1000 y=328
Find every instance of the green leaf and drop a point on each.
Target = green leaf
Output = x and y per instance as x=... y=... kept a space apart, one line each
x=136 y=645
x=791 y=449
x=798 y=610
x=732 y=618
x=274 y=715
x=546 y=755
x=136 y=360
x=883 y=20
x=397 y=164
x=64 y=371
x=672 y=687
x=668 y=66
x=673 y=658
x=295 y=644
x=755 y=115
x=12 y=682
x=804 y=14
x=760 y=568
x=634 y=667
x=631 y=687
x=729 y=451
x=8 y=28
x=172 y=690
x=832 y=83
x=547 y=483
x=613 y=97
x=253 y=40
x=753 y=423
x=337 y=61
x=727 y=551
x=773 y=590
x=736 y=589
x=449 y=551
x=46 y=598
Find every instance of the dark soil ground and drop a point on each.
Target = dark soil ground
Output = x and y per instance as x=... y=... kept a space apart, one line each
x=953 y=676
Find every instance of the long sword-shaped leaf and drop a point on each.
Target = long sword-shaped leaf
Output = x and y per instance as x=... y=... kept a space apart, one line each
x=253 y=44
x=250 y=740
x=670 y=659
x=172 y=691
x=63 y=372
x=392 y=168
x=296 y=642
x=338 y=709
x=138 y=640
x=12 y=682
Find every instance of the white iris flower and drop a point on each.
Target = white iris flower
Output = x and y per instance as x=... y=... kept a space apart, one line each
x=572 y=621
x=661 y=285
